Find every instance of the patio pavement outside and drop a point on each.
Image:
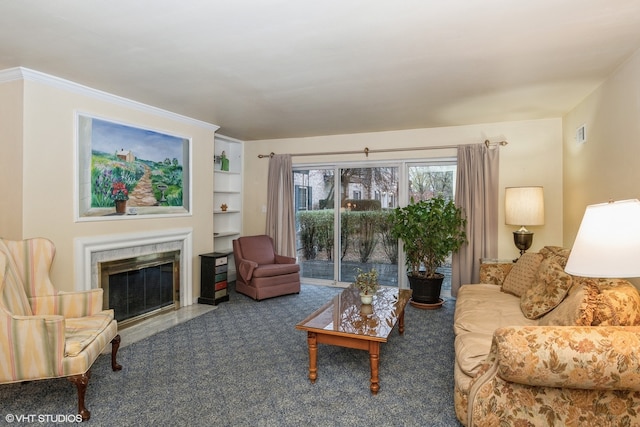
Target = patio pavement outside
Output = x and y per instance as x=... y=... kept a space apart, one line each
x=387 y=273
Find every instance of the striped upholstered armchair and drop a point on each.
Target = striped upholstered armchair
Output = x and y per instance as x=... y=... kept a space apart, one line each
x=46 y=333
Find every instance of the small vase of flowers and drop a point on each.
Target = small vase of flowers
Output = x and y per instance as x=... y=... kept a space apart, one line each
x=367 y=284
x=120 y=195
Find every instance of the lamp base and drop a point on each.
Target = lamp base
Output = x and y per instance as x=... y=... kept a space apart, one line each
x=522 y=240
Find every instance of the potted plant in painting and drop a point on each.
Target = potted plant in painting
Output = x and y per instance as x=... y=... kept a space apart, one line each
x=120 y=195
x=430 y=230
x=367 y=284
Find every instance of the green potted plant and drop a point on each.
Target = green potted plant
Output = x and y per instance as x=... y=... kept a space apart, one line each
x=367 y=283
x=430 y=230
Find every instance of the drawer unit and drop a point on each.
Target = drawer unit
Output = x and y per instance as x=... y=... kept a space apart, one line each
x=213 y=278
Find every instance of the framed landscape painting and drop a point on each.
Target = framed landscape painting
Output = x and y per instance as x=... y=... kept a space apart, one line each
x=125 y=171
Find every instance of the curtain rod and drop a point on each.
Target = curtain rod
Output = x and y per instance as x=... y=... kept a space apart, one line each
x=367 y=151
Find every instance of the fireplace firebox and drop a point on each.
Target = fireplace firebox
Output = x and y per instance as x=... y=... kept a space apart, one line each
x=141 y=287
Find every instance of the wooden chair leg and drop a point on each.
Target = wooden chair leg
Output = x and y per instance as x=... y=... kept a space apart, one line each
x=115 y=345
x=81 y=382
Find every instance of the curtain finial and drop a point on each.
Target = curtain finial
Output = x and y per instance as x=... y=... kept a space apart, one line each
x=490 y=144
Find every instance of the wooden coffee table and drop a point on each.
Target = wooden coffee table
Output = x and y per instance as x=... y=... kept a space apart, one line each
x=346 y=322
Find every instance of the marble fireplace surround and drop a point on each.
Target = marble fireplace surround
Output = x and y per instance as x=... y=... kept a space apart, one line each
x=89 y=251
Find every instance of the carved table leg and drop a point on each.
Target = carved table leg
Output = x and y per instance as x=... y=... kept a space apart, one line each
x=374 y=359
x=81 y=382
x=115 y=345
x=401 y=322
x=312 y=340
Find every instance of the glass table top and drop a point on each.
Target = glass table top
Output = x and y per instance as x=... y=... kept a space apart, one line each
x=346 y=315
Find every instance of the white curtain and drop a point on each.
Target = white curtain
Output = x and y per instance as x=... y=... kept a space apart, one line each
x=280 y=213
x=477 y=194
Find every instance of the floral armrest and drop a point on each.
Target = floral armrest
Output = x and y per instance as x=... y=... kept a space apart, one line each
x=583 y=357
x=494 y=272
x=69 y=304
x=558 y=375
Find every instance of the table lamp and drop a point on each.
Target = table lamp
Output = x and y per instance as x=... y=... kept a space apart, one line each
x=608 y=241
x=523 y=206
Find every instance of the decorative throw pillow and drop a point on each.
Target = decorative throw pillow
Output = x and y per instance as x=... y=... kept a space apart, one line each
x=618 y=303
x=494 y=273
x=577 y=309
x=556 y=253
x=550 y=288
x=522 y=275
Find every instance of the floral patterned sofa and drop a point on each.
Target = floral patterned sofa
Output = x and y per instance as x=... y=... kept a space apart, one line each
x=537 y=346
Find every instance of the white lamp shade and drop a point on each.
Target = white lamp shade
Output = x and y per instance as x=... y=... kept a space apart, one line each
x=608 y=241
x=524 y=206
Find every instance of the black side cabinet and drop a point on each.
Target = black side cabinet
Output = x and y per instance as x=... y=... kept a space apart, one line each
x=213 y=278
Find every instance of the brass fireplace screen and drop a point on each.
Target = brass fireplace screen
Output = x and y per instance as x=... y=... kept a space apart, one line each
x=140 y=287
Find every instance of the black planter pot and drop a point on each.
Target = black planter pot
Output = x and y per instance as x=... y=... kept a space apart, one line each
x=426 y=290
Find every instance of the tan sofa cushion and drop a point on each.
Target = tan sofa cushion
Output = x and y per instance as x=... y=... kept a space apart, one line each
x=550 y=288
x=472 y=349
x=576 y=309
x=483 y=308
x=522 y=275
x=480 y=310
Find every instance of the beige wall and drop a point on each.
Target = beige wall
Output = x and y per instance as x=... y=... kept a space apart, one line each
x=11 y=160
x=533 y=157
x=607 y=165
x=48 y=145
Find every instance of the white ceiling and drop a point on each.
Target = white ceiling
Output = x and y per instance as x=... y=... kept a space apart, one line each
x=265 y=69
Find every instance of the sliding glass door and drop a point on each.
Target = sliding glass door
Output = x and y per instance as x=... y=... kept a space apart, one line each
x=314 y=206
x=341 y=213
x=426 y=180
x=341 y=222
x=366 y=196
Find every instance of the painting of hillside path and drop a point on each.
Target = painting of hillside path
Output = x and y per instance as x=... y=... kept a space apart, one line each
x=141 y=169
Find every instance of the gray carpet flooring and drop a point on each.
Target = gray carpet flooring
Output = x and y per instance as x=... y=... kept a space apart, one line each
x=245 y=364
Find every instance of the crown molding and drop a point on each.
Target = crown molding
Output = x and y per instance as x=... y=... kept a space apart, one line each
x=11 y=74
x=221 y=137
x=26 y=74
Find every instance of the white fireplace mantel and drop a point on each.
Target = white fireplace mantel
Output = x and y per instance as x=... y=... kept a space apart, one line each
x=120 y=246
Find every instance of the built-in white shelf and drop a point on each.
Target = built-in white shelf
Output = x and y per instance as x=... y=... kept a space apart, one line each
x=227 y=190
x=225 y=234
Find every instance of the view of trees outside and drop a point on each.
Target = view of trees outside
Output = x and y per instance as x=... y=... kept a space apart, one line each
x=365 y=197
x=428 y=181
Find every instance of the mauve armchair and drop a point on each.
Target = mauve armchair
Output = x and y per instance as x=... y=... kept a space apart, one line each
x=260 y=272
